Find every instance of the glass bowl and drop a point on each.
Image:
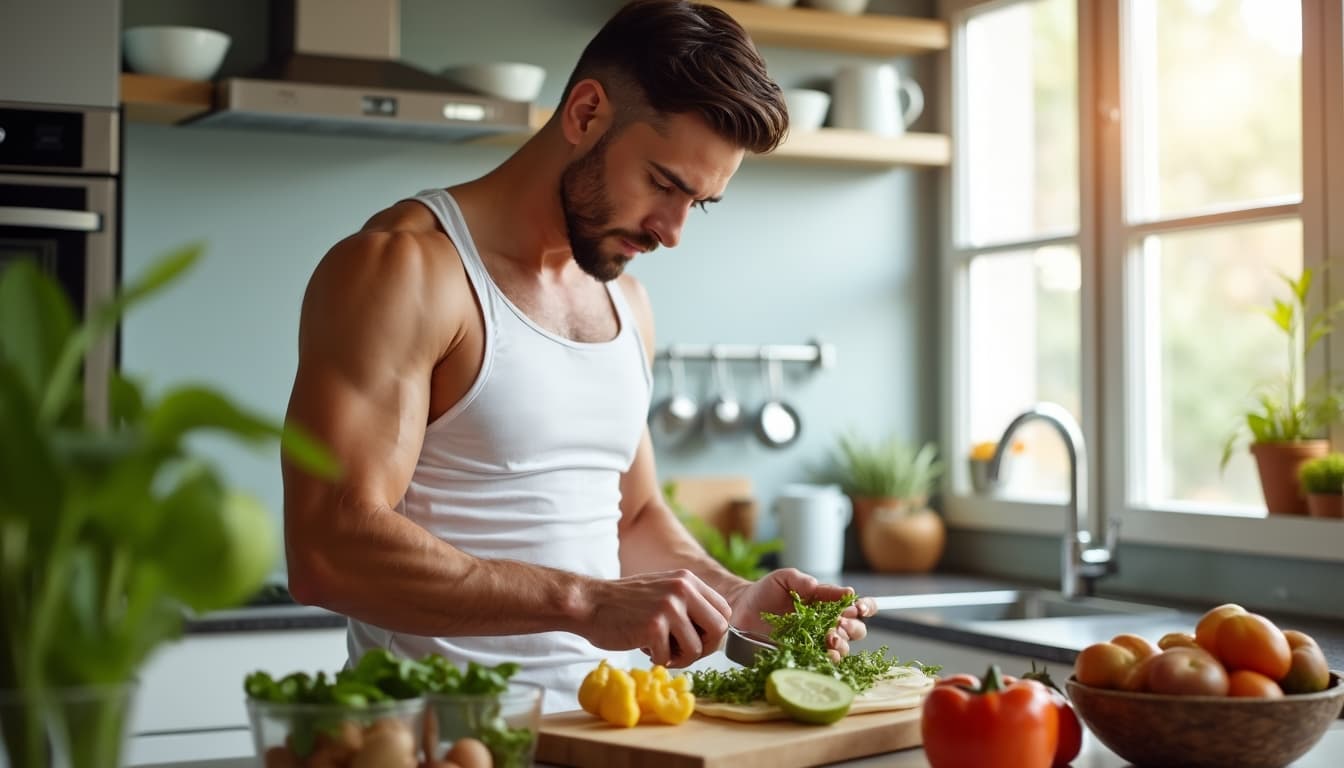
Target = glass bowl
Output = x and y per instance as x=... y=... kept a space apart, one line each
x=299 y=735
x=506 y=722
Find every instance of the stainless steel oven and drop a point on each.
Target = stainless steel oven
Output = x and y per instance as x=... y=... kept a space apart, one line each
x=59 y=193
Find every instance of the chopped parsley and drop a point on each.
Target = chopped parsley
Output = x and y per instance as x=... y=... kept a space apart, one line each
x=800 y=643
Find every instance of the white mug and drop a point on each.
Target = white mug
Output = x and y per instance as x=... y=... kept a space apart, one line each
x=812 y=520
x=867 y=97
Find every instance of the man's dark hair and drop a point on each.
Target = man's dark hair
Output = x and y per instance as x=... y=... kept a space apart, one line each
x=658 y=58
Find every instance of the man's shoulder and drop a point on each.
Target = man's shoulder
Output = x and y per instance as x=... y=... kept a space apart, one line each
x=394 y=254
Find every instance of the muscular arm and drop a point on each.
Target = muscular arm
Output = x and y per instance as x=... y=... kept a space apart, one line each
x=652 y=538
x=376 y=321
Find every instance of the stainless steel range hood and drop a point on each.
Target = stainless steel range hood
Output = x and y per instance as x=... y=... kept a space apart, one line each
x=334 y=69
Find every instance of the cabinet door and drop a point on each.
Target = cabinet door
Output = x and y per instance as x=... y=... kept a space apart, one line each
x=175 y=749
x=197 y=683
x=64 y=52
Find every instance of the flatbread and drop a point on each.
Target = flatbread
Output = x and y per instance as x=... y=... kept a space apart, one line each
x=904 y=691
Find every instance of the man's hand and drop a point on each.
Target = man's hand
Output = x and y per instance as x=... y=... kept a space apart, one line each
x=672 y=616
x=771 y=595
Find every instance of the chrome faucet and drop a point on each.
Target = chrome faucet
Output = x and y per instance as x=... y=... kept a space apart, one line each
x=1081 y=563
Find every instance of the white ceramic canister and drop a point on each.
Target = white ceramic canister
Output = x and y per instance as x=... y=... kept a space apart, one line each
x=812 y=520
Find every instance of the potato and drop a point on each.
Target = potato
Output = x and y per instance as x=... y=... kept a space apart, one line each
x=470 y=753
x=388 y=743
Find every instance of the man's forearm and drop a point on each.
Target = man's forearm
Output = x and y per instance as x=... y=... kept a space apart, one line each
x=376 y=566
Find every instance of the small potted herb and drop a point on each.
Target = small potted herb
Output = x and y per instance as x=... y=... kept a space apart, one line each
x=1322 y=481
x=889 y=482
x=1287 y=426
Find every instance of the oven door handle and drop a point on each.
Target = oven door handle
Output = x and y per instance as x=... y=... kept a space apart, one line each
x=50 y=218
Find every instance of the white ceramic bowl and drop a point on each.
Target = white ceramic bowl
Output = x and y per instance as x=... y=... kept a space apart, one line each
x=850 y=7
x=807 y=108
x=191 y=53
x=505 y=80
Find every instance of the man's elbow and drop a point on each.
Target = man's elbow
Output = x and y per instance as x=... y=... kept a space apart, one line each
x=309 y=576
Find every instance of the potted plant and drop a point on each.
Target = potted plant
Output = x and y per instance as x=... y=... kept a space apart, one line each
x=740 y=555
x=1288 y=424
x=109 y=533
x=889 y=482
x=1322 y=480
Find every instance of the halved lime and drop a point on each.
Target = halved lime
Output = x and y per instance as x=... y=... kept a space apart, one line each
x=809 y=697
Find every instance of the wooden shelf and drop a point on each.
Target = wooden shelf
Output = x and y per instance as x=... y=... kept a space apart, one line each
x=840 y=146
x=165 y=100
x=827 y=145
x=151 y=99
x=870 y=33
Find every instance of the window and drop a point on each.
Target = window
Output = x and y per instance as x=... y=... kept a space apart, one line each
x=1128 y=180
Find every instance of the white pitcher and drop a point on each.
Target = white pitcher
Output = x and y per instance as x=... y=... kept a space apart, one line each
x=812 y=520
x=867 y=97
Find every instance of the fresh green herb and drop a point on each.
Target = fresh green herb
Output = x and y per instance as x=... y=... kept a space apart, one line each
x=113 y=526
x=800 y=643
x=734 y=552
x=379 y=677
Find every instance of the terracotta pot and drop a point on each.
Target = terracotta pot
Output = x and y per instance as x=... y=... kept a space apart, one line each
x=899 y=536
x=1278 y=464
x=1325 y=504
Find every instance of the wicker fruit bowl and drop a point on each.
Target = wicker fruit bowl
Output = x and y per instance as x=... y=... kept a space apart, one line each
x=1151 y=729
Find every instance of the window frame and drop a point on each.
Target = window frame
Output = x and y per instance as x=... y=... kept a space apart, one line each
x=1105 y=243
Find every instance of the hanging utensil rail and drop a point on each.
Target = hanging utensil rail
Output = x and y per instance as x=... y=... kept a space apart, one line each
x=819 y=354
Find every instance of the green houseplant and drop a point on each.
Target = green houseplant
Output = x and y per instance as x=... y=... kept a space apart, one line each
x=889 y=482
x=734 y=551
x=1322 y=480
x=109 y=533
x=1289 y=421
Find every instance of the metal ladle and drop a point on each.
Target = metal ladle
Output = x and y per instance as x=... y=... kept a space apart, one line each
x=676 y=417
x=777 y=423
x=725 y=415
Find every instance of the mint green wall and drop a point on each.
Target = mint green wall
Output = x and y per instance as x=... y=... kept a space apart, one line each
x=794 y=252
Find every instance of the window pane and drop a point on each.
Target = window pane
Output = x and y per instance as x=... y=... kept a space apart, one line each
x=1217 y=96
x=1021 y=127
x=1207 y=346
x=1024 y=348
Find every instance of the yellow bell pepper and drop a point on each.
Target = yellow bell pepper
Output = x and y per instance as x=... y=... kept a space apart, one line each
x=590 y=691
x=642 y=695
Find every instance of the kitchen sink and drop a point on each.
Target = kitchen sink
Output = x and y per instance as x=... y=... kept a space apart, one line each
x=1007 y=605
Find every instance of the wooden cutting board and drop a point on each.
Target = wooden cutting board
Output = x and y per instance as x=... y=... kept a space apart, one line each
x=581 y=740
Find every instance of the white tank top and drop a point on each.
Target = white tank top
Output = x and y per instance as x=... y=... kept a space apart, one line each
x=527 y=467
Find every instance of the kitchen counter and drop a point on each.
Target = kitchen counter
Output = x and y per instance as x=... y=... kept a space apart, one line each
x=1059 y=640
x=1328 y=753
x=1055 y=640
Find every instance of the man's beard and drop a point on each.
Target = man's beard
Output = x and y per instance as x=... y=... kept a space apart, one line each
x=588 y=212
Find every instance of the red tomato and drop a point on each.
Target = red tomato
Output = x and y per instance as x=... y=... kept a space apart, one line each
x=1308 y=670
x=1138 y=645
x=1253 y=685
x=1175 y=639
x=1070 y=728
x=1103 y=665
x=1186 y=672
x=993 y=726
x=1206 y=631
x=1250 y=641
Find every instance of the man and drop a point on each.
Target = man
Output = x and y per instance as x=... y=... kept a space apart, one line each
x=480 y=364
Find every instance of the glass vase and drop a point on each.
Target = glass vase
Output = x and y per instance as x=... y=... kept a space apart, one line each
x=73 y=727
